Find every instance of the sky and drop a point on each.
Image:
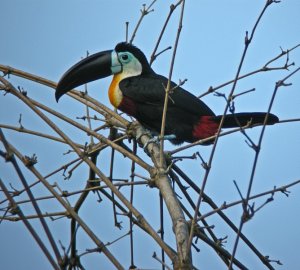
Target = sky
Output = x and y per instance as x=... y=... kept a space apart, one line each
x=47 y=37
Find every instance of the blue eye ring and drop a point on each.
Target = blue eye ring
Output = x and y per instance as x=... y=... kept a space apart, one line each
x=124 y=57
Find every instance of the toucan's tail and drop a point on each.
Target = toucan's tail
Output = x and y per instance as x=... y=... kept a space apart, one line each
x=242 y=119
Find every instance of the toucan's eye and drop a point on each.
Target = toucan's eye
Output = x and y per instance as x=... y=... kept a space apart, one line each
x=124 y=57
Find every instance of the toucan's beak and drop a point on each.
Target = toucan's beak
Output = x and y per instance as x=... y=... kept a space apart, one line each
x=96 y=66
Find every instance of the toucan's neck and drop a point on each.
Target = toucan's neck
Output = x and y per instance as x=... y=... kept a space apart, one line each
x=114 y=93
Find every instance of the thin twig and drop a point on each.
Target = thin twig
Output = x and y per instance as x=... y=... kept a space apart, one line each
x=154 y=54
x=264 y=68
x=282 y=189
x=144 y=11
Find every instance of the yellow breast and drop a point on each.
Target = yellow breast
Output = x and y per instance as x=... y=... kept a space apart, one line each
x=114 y=92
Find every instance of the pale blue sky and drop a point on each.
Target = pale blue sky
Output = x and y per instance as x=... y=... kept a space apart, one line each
x=47 y=37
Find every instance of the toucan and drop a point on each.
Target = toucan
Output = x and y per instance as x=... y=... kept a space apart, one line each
x=140 y=92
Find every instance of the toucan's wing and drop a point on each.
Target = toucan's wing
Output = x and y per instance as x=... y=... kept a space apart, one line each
x=150 y=89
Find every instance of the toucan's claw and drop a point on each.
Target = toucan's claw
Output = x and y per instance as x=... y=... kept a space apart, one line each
x=157 y=139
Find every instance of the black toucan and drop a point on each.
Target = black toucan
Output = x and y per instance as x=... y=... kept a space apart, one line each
x=138 y=91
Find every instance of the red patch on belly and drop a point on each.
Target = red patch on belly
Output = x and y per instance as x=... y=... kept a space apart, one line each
x=127 y=106
x=205 y=128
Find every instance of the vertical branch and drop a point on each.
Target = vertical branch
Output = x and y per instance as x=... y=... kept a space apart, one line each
x=168 y=87
x=126 y=31
x=132 y=266
x=162 y=229
x=182 y=260
x=111 y=171
x=180 y=227
x=88 y=109
x=77 y=206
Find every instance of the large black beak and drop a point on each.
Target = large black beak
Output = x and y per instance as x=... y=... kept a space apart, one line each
x=96 y=66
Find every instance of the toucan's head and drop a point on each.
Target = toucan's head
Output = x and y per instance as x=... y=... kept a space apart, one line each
x=125 y=58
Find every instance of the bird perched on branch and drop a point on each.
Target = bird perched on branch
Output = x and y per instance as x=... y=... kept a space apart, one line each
x=138 y=91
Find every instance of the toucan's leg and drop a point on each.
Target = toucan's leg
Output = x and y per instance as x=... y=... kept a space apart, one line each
x=156 y=139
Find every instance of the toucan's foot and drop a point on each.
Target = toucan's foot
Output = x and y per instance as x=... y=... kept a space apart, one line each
x=169 y=137
x=157 y=139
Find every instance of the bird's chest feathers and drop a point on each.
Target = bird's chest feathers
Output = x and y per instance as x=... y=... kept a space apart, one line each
x=114 y=93
x=117 y=99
